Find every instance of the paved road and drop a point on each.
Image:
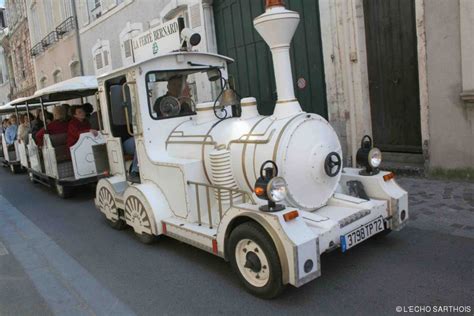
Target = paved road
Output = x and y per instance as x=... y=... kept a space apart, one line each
x=60 y=257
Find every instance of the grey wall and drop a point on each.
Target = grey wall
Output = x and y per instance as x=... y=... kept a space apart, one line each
x=451 y=125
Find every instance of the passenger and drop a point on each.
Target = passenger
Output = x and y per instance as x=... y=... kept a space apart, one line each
x=78 y=125
x=49 y=117
x=23 y=129
x=37 y=123
x=57 y=126
x=92 y=116
x=129 y=149
x=67 y=110
x=5 y=124
x=11 y=131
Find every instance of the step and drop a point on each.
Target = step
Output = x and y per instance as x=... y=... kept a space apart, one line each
x=200 y=236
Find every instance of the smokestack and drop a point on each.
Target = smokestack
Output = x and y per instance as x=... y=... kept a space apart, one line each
x=277 y=27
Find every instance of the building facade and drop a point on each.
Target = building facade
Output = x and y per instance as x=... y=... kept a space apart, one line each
x=4 y=79
x=385 y=69
x=106 y=27
x=388 y=69
x=53 y=33
x=17 y=45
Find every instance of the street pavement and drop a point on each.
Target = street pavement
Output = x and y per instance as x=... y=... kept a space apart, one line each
x=60 y=257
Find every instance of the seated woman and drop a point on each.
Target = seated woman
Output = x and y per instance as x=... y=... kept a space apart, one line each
x=57 y=126
x=78 y=125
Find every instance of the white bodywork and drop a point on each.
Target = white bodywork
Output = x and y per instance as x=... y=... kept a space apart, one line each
x=180 y=155
x=198 y=172
x=83 y=157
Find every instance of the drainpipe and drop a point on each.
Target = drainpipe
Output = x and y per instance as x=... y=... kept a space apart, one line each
x=78 y=41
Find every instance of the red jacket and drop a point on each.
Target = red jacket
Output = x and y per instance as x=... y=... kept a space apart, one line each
x=55 y=127
x=75 y=129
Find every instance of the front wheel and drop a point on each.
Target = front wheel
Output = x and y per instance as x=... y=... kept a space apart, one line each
x=254 y=258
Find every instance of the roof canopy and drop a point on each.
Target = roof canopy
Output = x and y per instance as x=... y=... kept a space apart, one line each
x=178 y=60
x=9 y=107
x=73 y=88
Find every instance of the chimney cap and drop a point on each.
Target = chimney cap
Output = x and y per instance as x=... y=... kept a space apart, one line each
x=274 y=3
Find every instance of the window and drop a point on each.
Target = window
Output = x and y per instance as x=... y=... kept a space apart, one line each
x=98 y=61
x=118 y=122
x=127 y=46
x=125 y=37
x=101 y=57
x=75 y=68
x=106 y=58
x=43 y=82
x=57 y=76
x=172 y=93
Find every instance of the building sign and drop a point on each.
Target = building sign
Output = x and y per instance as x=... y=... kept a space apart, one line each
x=161 y=39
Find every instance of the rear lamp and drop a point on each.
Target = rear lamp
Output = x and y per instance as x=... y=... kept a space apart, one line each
x=368 y=157
x=270 y=187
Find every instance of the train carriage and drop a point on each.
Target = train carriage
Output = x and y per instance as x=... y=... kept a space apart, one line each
x=54 y=164
x=267 y=193
x=14 y=156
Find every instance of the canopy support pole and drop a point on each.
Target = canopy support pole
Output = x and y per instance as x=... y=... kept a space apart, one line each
x=28 y=115
x=44 y=116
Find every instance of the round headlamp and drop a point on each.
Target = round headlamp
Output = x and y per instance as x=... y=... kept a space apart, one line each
x=368 y=157
x=375 y=157
x=276 y=189
x=270 y=187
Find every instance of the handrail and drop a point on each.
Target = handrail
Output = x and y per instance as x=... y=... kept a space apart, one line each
x=246 y=196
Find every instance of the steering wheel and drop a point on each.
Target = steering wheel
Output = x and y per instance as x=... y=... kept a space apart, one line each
x=333 y=164
x=170 y=106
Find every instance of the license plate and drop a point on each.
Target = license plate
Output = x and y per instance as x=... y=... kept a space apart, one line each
x=362 y=233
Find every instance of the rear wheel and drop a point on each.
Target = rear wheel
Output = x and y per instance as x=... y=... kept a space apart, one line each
x=254 y=258
x=63 y=192
x=145 y=238
x=14 y=169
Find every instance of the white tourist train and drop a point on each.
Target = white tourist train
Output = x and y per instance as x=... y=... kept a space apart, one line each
x=55 y=164
x=267 y=193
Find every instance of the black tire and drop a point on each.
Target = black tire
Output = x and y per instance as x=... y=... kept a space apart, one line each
x=118 y=224
x=13 y=169
x=254 y=232
x=64 y=192
x=145 y=238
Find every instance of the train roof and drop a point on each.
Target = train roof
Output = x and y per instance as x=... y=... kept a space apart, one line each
x=167 y=62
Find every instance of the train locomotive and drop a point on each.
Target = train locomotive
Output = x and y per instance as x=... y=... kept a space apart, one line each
x=267 y=193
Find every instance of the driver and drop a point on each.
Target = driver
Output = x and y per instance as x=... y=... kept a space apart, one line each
x=175 y=86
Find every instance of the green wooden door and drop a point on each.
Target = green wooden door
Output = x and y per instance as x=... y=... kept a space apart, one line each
x=393 y=74
x=252 y=72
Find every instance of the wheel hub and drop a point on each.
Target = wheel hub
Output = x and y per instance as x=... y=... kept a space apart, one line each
x=253 y=262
